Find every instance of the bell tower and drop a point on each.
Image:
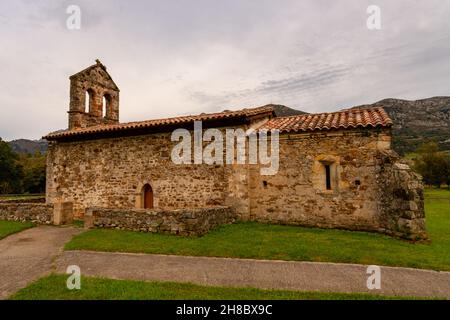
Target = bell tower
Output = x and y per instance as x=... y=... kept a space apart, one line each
x=94 y=98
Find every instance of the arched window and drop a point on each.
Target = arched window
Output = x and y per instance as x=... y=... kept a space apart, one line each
x=147 y=197
x=88 y=101
x=105 y=108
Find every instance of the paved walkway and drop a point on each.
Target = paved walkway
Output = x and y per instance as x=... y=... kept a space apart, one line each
x=303 y=276
x=33 y=253
x=28 y=255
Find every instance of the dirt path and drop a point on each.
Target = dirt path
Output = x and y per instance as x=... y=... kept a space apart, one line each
x=302 y=276
x=28 y=255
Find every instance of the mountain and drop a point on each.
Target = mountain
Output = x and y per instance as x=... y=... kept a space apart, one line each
x=418 y=121
x=28 y=146
x=415 y=122
x=31 y=146
x=283 y=111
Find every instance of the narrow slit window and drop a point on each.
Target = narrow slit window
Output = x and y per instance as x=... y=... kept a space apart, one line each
x=328 y=176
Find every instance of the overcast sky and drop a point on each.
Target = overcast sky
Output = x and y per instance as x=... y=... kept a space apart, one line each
x=184 y=57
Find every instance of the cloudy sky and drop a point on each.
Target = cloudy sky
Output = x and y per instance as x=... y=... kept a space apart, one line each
x=183 y=57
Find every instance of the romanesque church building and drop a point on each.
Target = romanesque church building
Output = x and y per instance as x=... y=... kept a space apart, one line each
x=335 y=170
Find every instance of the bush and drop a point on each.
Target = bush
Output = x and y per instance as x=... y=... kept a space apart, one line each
x=433 y=165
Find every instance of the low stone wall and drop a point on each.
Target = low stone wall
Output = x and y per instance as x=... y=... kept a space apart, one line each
x=181 y=221
x=40 y=213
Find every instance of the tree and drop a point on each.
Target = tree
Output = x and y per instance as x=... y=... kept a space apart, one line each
x=432 y=165
x=447 y=178
x=10 y=171
x=34 y=168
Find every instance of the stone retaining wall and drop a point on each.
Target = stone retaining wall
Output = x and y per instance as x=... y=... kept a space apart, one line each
x=182 y=221
x=40 y=213
x=401 y=201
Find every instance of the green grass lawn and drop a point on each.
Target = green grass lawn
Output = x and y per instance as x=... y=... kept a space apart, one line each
x=78 y=223
x=7 y=197
x=53 y=287
x=261 y=241
x=10 y=227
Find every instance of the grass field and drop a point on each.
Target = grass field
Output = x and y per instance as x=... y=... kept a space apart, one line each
x=54 y=287
x=10 y=227
x=261 y=241
x=7 y=197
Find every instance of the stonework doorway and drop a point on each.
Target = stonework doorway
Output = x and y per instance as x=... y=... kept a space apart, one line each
x=147 y=193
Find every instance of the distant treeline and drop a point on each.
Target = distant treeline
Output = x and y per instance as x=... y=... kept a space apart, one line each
x=21 y=173
x=433 y=165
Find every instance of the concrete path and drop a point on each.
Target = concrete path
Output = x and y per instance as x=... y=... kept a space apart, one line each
x=302 y=276
x=36 y=252
x=28 y=255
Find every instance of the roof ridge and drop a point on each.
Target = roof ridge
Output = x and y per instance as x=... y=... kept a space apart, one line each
x=342 y=119
x=330 y=112
x=246 y=112
x=203 y=114
x=97 y=64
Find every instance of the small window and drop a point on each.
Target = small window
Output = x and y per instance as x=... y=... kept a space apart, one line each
x=265 y=184
x=328 y=176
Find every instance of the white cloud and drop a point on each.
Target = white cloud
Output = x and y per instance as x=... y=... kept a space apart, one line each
x=184 y=57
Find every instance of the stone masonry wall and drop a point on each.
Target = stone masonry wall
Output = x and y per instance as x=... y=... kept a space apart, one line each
x=96 y=81
x=110 y=173
x=401 y=200
x=297 y=194
x=361 y=189
x=181 y=222
x=35 y=212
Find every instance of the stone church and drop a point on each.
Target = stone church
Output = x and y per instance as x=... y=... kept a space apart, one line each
x=336 y=170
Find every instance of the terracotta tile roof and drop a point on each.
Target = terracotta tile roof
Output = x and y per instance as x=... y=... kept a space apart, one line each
x=348 y=118
x=239 y=114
